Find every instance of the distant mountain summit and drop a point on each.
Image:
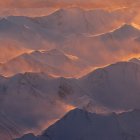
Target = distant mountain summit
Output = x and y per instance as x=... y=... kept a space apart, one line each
x=135 y=60
x=53 y=62
x=76 y=20
x=126 y=31
x=114 y=84
x=76 y=31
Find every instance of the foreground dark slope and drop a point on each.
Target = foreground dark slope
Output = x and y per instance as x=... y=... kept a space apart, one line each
x=81 y=125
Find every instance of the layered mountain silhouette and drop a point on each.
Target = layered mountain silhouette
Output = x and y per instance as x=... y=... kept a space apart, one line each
x=113 y=88
x=82 y=21
x=42 y=63
x=57 y=30
x=81 y=52
x=109 y=47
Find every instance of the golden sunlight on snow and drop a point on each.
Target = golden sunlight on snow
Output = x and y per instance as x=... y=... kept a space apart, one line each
x=66 y=108
x=72 y=57
x=11 y=49
x=136 y=25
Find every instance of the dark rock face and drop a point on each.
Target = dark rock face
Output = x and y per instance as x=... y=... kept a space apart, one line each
x=81 y=125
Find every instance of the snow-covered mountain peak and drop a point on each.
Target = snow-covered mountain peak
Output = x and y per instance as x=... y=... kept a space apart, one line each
x=55 y=52
x=71 y=11
x=135 y=60
x=4 y=23
x=127 y=29
x=111 y=85
x=32 y=75
x=3 y=19
x=123 y=32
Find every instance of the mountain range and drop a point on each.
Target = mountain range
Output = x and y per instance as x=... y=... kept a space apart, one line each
x=80 y=64
x=110 y=89
x=57 y=31
x=53 y=62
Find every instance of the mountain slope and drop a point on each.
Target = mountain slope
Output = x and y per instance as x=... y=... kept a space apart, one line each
x=113 y=88
x=23 y=97
x=10 y=49
x=124 y=32
x=21 y=33
x=53 y=62
x=94 y=126
x=91 y=21
x=57 y=31
x=135 y=60
x=110 y=47
x=52 y=29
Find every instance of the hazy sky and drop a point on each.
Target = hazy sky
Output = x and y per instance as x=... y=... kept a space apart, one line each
x=44 y=7
x=59 y=3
